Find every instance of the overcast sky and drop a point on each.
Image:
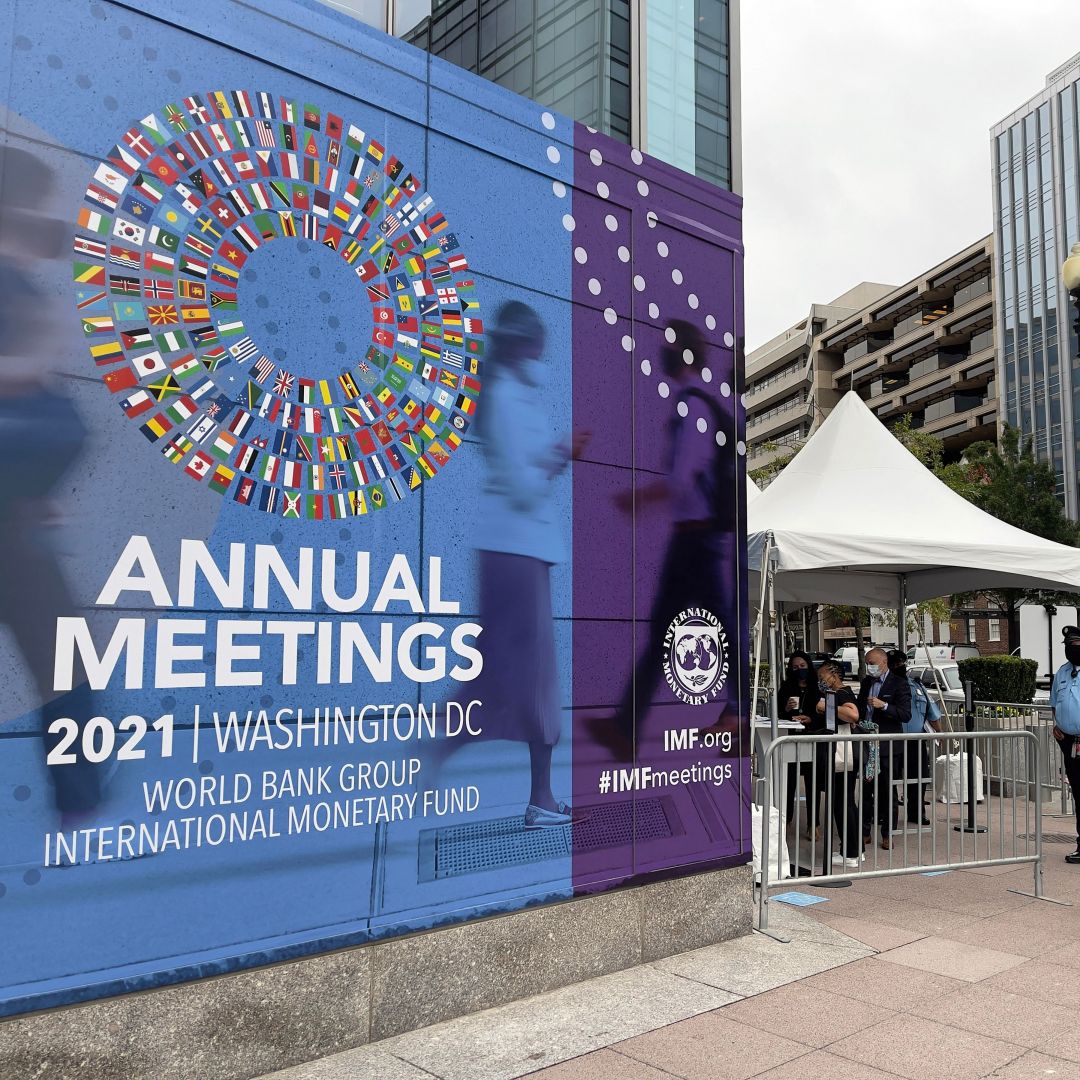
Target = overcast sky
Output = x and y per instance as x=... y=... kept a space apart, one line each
x=866 y=147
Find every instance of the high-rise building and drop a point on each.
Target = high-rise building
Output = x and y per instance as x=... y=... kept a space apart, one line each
x=661 y=75
x=1036 y=220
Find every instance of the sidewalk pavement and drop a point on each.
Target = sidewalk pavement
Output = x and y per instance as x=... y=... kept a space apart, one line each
x=950 y=976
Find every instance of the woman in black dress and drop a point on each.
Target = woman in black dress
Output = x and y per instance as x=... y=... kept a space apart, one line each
x=799 y=695
x=847 y=759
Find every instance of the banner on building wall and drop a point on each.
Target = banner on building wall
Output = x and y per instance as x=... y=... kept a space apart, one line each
x=373 y=512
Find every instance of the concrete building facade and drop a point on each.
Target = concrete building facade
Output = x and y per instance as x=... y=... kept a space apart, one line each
x=788 y=391
x=924 y=349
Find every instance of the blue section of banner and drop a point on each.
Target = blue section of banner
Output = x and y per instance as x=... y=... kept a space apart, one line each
x=287 y=539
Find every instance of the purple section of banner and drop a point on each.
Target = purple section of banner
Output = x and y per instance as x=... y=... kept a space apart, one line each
x=661 y=729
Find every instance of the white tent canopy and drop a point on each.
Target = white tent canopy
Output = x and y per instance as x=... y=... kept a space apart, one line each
x=854 y=512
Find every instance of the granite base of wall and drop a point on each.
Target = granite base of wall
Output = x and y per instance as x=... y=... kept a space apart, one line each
x=243 y=1025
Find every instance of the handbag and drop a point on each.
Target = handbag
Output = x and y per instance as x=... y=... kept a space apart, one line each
x=871 y=756
x=844 y=758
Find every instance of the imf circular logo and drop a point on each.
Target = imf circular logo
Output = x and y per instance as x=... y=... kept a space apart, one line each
x=695 y=656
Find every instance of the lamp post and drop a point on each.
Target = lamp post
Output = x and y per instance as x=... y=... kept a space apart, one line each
x=1051 y=611
x=1070 y=275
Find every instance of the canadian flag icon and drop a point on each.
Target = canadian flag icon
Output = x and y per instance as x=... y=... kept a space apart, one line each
x=198 y=466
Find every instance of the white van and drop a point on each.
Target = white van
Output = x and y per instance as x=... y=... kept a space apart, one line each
x=848 y=659
x=940 y=654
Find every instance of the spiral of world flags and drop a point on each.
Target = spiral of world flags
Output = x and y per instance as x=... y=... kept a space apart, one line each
x=171 y=215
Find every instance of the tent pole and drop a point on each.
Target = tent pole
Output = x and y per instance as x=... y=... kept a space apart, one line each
x=759 y=623
x=774 y=715
x=901 y=619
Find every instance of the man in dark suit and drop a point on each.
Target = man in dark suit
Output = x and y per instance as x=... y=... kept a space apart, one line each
x=885 y=699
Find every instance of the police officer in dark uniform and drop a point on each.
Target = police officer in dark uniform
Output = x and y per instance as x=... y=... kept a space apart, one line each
x=1065 y=709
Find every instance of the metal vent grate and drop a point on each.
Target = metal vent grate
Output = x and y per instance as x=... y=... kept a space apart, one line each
x=490 y=845
x=1050 y=837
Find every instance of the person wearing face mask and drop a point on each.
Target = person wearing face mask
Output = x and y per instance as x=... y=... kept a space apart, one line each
x=925 y=716
x=520 y=538
x=846 y=776
x=799 y=695
x=1065 y=710
x=884 y=700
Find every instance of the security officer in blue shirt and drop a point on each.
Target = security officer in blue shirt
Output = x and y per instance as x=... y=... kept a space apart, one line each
x=1065 y=709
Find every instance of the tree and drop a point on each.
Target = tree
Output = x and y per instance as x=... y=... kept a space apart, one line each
x=766 y=474
x=939 y=610
x=1010 y=483
x=928 y=449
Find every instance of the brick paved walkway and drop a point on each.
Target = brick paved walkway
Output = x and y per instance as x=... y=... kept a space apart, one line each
x=949 y=977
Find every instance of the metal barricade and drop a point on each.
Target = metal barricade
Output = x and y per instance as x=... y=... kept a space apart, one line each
x=1016 y=716
x=993 y=828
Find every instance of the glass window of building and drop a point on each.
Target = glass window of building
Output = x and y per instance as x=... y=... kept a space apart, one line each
x=372 y=12
x=656 y=73
x=1035 y=222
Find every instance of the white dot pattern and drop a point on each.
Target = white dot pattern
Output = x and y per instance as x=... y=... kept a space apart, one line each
x=663 y=250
